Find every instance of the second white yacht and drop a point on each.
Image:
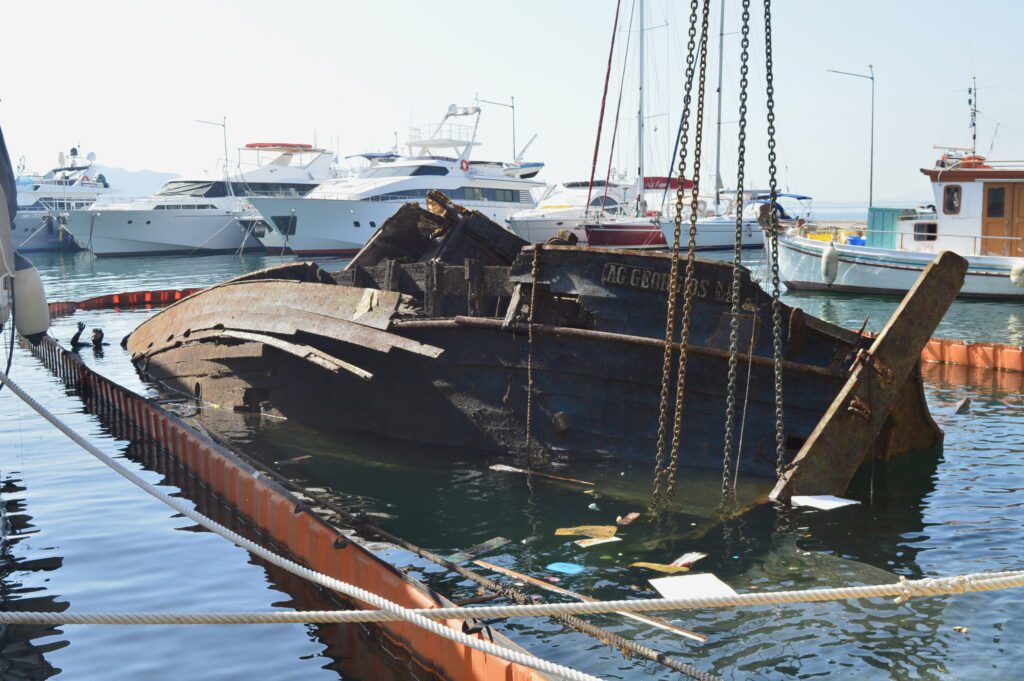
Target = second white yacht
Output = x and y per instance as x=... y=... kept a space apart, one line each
x=566 y=206
x=202 y=216
x=340 y=215
x=45 y=200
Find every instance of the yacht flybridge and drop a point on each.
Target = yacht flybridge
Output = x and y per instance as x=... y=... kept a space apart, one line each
x=44 y=201
x=339 y=216
x=200 y=216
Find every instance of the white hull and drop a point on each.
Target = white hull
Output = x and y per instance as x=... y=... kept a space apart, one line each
x=538 y=230
x=35 y=231
x=714 y=234
x=340 y=226
x=883 y=270
x=159 y=232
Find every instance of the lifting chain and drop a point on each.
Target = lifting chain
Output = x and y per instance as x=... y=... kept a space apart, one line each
x=673 y=289
x=691 y=282
x=734 y=321
x=773 y=236
x=529 y=346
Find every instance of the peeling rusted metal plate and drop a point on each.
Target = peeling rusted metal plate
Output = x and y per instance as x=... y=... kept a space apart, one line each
x=352 y=315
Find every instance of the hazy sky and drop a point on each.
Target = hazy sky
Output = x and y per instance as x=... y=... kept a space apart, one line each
x=127 y=80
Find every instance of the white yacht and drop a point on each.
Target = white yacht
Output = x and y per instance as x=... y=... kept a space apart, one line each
x=44 y=201
x=201 y=216
x=339 y=216
x=566 y=206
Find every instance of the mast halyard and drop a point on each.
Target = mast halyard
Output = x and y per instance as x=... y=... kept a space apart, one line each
x=718 y=121
x=641 y=206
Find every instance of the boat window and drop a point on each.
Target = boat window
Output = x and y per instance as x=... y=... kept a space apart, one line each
x=606 y=201
x=355 y=223
x=403 y=171
x=285 y=223
x=296 y=189
x=506 y=195
x=473 y=193
x=951 y=199
x=926 y=231
x=996 y=203
x=189 y=188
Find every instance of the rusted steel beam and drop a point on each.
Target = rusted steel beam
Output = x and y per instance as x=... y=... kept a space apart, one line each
x=304 y=352
x=845 y=434
x=607 y=336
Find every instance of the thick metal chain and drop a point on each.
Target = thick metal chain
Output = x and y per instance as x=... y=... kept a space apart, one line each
x=734 y=322
x=670 y=313
x=691 y=283
x=773 y=236
x=529 y=347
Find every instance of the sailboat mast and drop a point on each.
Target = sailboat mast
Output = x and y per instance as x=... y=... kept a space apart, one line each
x=718 y=122
x=640 y=208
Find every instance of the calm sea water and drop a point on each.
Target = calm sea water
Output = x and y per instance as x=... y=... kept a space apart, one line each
x=77 y=536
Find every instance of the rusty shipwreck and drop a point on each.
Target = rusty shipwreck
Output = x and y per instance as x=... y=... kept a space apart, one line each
x=425 y=336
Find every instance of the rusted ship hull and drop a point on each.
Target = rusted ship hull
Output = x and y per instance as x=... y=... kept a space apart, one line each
x=473 y=395
x=425 y=336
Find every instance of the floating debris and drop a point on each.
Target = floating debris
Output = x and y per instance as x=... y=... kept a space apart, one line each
x=565 y=568
x=526 y=471
x=627 y=519
x=594 y=531
x=594 y=541
x=824 y=502
x=687 y=586
x=661 y=567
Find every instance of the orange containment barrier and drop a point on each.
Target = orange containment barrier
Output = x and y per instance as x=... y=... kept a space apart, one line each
x=278 y=513
x=134 y=299
x=981 y=355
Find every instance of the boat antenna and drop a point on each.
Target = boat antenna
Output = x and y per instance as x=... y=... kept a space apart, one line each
x=224 y=129
x=972 y=102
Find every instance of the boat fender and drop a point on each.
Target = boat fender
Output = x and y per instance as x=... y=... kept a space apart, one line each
x=1017 y=274
x=31 y=313
x=464 y=165
x=829 y=264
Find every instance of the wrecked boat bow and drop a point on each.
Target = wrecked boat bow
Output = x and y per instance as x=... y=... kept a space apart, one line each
x=426 y=336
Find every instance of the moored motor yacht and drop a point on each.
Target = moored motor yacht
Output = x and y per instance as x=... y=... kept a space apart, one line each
x=44 y=201
x=980 y=216
x=339 y=216
x=202 y=216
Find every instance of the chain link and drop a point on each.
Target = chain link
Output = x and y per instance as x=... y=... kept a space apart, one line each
x=773 y=235
x=691 y=282
x=529 y=346
x=670 y=314
x=734 y=322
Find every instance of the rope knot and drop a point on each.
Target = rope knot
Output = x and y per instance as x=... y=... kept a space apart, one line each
x=904 y=591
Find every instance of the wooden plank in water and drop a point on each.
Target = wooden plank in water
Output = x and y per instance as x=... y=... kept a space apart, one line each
x=839 y=443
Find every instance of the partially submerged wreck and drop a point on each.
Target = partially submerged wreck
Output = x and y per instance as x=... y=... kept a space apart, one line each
x=426 y=336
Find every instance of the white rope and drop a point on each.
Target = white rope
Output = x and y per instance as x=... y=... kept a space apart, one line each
x=902 y=590
x=396 y=611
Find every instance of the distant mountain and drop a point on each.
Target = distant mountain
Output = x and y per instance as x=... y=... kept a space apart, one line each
x=134 y=182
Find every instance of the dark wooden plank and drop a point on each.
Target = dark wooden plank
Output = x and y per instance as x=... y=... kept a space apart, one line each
x=844 y=436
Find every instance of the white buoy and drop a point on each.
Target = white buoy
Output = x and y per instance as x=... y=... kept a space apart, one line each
x=31 y=313
x=829 y=264
x=1017 y=274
